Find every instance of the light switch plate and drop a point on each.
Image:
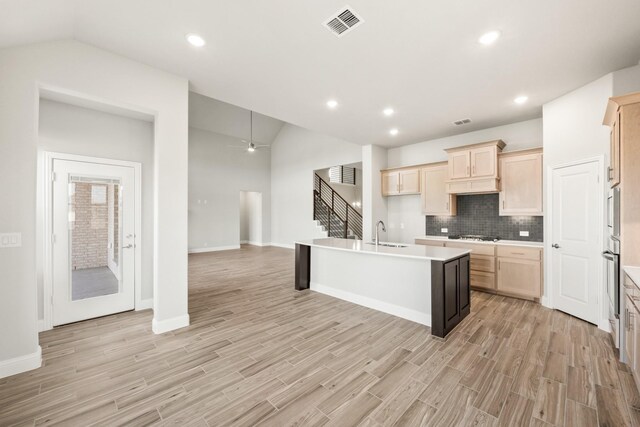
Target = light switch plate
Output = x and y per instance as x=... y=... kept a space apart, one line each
x=10 y=240
x=524 y=234
x=444 y=230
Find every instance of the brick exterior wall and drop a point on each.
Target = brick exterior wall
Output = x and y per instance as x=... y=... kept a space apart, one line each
x=90 y=228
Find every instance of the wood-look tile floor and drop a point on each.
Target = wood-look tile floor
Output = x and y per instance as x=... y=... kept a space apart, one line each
x=260 y=353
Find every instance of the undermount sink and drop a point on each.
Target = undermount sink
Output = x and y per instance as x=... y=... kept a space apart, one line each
x=389 y=245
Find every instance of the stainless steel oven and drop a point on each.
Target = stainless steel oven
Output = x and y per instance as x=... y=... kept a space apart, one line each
x=612 y=269
x=613 y=213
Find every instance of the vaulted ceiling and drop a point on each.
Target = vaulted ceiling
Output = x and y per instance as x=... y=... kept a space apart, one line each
x=420 y=57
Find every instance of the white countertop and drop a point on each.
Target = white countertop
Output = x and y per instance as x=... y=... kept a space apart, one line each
x=499 y=242
x=431 y=253
x=633 y=273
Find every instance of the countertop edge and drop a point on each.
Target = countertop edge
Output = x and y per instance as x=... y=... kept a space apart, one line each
x=462 y=252
x=523 y=243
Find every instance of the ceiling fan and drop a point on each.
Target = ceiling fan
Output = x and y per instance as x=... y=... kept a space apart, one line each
x=251 y=146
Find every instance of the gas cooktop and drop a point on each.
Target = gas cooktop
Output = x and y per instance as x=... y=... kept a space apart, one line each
x=475 y=238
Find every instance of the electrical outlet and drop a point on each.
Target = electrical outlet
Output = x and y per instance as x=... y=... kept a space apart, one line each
x=444 y=230
x=10 y=240
x=524 y=234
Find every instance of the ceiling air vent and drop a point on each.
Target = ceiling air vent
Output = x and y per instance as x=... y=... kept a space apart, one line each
x=342 y=21
x=462 y=122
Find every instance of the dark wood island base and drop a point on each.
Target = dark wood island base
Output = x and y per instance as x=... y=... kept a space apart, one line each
x=450 y=288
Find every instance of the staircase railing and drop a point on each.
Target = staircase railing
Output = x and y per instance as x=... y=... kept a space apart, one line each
x=333 y=212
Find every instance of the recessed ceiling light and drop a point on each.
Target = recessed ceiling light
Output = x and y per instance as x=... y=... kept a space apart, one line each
x=195 y=40
x=388 y=112
x=521 y=99
x=332 y=103
x=489 y=38
x=393 y=132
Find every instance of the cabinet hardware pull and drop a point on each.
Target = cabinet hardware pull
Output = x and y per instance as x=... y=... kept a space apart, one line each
x=609 y=170
x=467 y=170
x=517 y=253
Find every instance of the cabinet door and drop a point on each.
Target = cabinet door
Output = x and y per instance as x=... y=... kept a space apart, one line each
x=390 y=183
x=629 y=345
x=464 y=287
x=635 y=316
x=519 y=277
x=451 y=294
x=521 y=185
x=459 y=165
x=483 y=162
x=435 y=198
x=614 y=153
x=410 y=181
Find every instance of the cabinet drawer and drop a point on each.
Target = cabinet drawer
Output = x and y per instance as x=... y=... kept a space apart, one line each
x=483 y=280
x=476 y=248
x=486 y=263
x=520 y=252
x=428 y=242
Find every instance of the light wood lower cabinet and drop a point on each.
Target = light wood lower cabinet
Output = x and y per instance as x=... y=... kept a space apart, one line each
x=519 y=277
x=504 y=269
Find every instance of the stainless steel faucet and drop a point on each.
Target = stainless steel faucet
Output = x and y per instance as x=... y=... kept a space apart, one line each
x=383 y=229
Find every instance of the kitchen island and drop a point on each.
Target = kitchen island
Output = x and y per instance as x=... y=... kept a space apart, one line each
x=424 y=284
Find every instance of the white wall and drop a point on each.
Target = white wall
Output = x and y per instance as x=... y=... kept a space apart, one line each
x=374 y=205
x=86 y=72
x=295 y=154
x=217 y=174
x=406 y=221
x=518 y=136
x=65 y=128
x=626 y=81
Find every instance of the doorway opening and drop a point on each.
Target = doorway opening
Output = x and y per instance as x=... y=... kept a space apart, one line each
x=251 y=218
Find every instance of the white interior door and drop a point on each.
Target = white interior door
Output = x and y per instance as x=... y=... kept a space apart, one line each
x=93 y=255
x=576 y=230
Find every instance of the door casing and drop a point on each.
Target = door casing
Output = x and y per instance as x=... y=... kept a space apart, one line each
x=47 y=294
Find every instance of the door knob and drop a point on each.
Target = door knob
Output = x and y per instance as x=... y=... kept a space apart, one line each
x=556 y=246
x=129 y=246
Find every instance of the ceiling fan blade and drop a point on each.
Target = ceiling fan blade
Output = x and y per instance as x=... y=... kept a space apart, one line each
x=237 y=146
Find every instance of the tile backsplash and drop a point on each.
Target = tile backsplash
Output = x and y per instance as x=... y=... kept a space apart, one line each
x=478 y=214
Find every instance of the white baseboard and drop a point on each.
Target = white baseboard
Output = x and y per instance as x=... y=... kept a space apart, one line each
x=252 y=243
x=144 y=304
x=282 y=245
x=162 y=326
x=213 y=249
x=41 y=327
x=545 y=302
x=385 y=307
x=20 y=364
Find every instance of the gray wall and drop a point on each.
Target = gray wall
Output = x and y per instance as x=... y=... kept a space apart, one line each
x=217 y=174
x=478 y=214
x=69 y=129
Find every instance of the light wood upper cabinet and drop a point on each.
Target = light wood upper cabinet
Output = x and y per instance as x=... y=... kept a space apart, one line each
x=484 y=162
x=409 y=181
x=390 y=183
x=474 y=168
x=435 y=198
x=400 y=181
x=614 y=153
x=521 y=183
x=460 y=164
